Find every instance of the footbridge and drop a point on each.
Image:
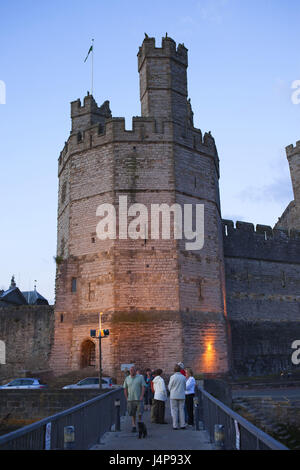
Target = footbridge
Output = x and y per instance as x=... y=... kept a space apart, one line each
x=102 y=423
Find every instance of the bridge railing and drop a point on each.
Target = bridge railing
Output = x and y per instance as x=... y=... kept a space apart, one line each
x=237 y=432
x=90 y=419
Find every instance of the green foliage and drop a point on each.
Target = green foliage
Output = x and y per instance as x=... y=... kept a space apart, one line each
x=58 y=259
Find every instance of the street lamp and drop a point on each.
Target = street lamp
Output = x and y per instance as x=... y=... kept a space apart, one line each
x=100 y=353
x=101 y=334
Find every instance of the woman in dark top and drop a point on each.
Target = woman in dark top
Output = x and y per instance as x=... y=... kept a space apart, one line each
x=148 y=395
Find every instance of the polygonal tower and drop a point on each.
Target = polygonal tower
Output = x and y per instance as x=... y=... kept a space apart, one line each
x=162 y=302
x=290 y=219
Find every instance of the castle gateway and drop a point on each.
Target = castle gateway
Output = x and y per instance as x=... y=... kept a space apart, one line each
x=162 y=302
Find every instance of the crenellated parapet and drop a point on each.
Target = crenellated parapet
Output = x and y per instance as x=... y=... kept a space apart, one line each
x=168 y=49
x=261 y=242
x=88 y=113
x=266 y=231
x=105 y=130
x=293 y=149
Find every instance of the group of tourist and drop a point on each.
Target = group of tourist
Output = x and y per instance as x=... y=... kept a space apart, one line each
x=145 y=392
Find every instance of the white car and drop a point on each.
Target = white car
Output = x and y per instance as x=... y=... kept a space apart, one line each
x=25 y=383
x=92 y=382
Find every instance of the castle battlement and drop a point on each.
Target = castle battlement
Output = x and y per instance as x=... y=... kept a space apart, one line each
x=89 y=105
x=262 y=243
x=293 y=150
x=265 y=231
x=144 y=129
x=168 y=49
x=88 y=113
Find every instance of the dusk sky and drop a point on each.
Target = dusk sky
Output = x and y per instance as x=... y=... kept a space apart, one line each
x=243 y=59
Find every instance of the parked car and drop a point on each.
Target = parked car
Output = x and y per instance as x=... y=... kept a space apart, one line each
x=25 y=383
x=92 y=382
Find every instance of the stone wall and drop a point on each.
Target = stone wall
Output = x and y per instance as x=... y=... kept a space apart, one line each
x=21 y=407
x=28 y=335
x=263 y=301
x=280 y=418
x=290 y=218
x=285 y=411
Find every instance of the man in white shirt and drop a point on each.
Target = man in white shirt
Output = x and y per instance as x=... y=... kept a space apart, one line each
x=176 y=387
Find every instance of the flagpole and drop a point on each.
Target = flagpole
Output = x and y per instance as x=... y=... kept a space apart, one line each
x=92 y=90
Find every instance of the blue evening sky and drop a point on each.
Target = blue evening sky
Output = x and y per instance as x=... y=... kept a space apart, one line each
x=243 y=58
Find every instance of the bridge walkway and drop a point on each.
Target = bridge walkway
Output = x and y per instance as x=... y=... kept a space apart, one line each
x=160 y=436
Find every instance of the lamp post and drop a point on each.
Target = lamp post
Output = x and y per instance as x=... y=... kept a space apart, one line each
x=101 y=334
x=100 y=353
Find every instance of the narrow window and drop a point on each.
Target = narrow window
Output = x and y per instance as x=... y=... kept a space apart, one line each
x=283 y=279
x=200 y=289
x=61 y=318
x=74 y=284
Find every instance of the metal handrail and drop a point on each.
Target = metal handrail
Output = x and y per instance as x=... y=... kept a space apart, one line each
x=215 y=412
x=91 y=418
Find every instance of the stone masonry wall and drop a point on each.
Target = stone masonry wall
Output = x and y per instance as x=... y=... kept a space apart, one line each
x=26 y=406
x=263 y=302
x=28 y=335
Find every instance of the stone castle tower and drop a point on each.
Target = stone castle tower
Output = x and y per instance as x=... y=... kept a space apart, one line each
x=161 y=302
x=290 y=219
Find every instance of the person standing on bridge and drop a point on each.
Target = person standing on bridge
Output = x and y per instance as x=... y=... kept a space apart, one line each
x=134 y=389
x=160 y=397
x=176 y=387
x=148 y=396
x=182 y=369
x=189 y=395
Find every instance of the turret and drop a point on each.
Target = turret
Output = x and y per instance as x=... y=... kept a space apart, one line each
x=293 y=156
x=163 y=80
x=88 y=114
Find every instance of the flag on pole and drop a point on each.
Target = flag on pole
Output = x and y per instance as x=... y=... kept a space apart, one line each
x=90 y=50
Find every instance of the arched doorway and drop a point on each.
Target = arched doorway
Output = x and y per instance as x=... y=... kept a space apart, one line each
x=87 y=354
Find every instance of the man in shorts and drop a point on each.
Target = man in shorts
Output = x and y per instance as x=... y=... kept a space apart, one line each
x=134 y=388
